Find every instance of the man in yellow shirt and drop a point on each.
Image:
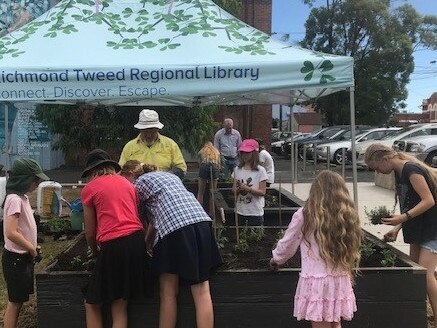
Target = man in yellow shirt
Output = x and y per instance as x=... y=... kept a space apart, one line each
x=150 y=147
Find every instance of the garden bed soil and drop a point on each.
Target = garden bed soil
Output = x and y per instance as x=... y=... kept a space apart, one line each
x=256 y=256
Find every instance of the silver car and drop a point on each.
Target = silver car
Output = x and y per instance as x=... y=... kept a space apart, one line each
x=422 y=147
x=403 y=134
x=335 y=148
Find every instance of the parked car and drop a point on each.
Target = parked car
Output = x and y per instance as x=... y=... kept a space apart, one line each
x=277 y=146
x=405 y=133
x=421 y=147
x=278 y=139
x=343 y=135
x=335 y=148
x=280 y=135
x=321 y=134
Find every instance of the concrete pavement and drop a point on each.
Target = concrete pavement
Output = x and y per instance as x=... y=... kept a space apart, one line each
x=369 y=196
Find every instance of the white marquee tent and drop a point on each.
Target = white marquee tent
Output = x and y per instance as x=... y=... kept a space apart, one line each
x=160 y=53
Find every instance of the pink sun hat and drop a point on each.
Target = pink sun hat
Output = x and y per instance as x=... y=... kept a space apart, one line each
x=249 y=145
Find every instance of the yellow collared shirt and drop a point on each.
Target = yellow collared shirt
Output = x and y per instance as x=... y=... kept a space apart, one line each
x=164 y=153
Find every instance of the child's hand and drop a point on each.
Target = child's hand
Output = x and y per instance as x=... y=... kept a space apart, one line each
x=37 y=258
x=391 y=236
x=394 y=220
x=273 y=265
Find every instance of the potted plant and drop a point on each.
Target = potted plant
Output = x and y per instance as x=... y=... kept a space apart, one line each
x=376 y=214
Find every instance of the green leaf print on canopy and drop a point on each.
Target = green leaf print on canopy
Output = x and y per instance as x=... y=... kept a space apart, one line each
x=132 y=28
x=324 y=66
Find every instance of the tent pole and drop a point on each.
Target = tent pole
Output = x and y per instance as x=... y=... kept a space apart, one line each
x=6 y=135
x=354 y=157
x=293 y=167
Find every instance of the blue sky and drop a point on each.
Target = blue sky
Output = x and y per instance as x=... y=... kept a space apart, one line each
x=289 y=16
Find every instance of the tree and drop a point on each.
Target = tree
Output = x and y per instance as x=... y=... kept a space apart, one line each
x=232 y=6
x=382 y=42
x=82 y=128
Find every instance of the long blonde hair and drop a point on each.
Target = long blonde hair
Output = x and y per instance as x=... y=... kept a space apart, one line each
x=208 y=153
x=331 y=217
x=378 y=152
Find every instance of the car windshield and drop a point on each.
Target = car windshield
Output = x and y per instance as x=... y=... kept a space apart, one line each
x=316 y=133
x=398 y=132
x=361 y=135
x=390 y=134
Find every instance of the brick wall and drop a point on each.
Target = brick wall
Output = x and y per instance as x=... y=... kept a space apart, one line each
x=258 y=13
x=252 y=121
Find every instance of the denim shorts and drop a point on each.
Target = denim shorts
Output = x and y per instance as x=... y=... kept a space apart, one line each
x=430 y=245
x=208 y=169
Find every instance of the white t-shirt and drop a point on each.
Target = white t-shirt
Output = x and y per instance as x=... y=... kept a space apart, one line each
x=266 y=160
x=247 y=203
x=16 y=204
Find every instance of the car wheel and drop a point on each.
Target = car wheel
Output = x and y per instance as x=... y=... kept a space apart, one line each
x=338 y=159
x=430 y=157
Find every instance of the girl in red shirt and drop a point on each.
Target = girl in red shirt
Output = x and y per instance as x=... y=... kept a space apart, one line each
x=115 y=235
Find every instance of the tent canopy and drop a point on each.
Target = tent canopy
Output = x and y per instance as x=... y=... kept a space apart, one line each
x=159 y=52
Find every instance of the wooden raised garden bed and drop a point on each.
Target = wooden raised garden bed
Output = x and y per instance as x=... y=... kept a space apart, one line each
x=279 y=206
x=192 y=186
x=387 y=297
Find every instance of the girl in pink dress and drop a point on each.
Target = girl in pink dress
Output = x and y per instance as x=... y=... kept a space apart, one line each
x=327 y=229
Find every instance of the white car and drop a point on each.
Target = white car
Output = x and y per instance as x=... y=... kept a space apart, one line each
x=423 y=148
x=335 y=148
x=408 y=132
x=277 y=146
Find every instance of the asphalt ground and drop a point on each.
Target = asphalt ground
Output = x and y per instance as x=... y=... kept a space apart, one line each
x=282 y=172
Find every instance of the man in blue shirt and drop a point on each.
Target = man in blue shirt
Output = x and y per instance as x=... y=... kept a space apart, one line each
x=227 y=140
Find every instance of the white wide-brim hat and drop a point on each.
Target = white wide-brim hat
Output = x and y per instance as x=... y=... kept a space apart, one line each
x=148 y=119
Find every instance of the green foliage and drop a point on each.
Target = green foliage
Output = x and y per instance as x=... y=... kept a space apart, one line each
x=84 y=261
x=242 y=246
x=389 y=259
x=271 y=200
x=381 y=40
x=253 y=234
x=58 y=225
x=188 y=127
x=367 y=249
x=247 y=236
x=82 y=128
x=233 y=7
x=76 y=260
x=377 y=214
x=220 y=238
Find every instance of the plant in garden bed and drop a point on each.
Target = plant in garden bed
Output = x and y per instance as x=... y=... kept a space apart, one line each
x=377 y=214
x=373 y=255
x=367 y=249
x=253 y=251
x=389 y=259
x=58 y=227
x=220 y=238
x=271 y=200
x=84 y=262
